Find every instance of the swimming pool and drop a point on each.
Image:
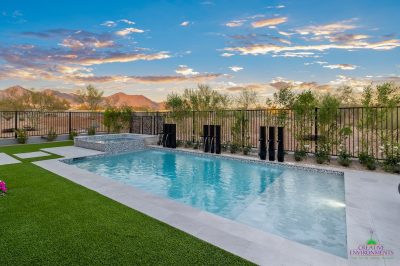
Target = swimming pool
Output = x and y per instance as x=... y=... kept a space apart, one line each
x=305 y=206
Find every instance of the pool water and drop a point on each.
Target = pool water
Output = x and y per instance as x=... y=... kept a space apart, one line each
x=301 y=205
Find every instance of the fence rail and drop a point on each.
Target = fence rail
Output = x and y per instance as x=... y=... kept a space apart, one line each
x=370 y=128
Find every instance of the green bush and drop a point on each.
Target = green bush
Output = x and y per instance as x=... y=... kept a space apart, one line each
x=22 y=136
x=196 y=145
x=300 y=155
x=73 y=134
x=246 y=150
x=391 y=163
x=188 y=144
x=322 y=155
x=51 y=135
x=92 y=130
x=179 y=143
x=344 y=158
x=116 y=119
x=234 y=148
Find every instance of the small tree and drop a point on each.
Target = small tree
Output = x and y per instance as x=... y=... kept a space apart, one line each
x=247 y=98
x=91 y=98
x=304 y=112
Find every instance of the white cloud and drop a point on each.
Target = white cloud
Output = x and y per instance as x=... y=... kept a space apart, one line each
x=127 y=21
x=128 y=31
x=109 y=23
x=341 y=66
x=227 y=54
x=185 y=23
x=185 y=70
x=236 y=68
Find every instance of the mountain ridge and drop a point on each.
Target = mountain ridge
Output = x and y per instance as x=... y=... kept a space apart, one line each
x=117 y=99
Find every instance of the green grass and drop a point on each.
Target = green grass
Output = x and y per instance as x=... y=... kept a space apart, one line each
x=48 y=220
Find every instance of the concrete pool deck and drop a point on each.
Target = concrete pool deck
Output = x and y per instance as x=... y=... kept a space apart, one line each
x=372 y=203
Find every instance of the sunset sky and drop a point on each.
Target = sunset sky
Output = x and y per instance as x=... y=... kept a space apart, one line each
x=155 y=47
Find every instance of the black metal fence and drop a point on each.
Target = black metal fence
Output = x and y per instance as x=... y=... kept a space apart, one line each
x=369 y=128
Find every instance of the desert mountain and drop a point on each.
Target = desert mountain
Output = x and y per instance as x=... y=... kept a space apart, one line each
x=117 y=99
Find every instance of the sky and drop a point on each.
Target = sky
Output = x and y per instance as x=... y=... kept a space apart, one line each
x=158 y=47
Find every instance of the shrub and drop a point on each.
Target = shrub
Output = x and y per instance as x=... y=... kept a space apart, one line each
x=246 y=150
x=188 y=144
x=363 y=157
x=224 y=147
x=371 y=163
x=300 y=155
x=51 y=135
x=73 y=134
x=322 y=155
x=179 y=143
x=92 y=130
x=196 y=145
x=22 y=136
x=234 y=148
x=344 y=158
x=391 y=163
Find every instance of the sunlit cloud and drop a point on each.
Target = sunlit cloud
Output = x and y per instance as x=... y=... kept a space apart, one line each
x=327 y=29
x=109 y=23
x=262 y=49
x=122 y=58
x=185 y=70
x=128 y=31
x=341 y=66
x=236 y=68
x=235 y=23
x=269 y=22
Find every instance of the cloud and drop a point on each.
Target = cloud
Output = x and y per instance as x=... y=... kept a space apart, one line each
x=277 y=7
x=341 y=66
x=127 y=21
x=121 y=58
x=284 y=33
x=262 y=49
x=227 y=54
x=185 y=70
x=185 y=23
x=128 y=31
x=109 y=23
x=347 y=37
x=327 y=29
x=297 y=54
x=236 y=68
x=268 y=22
x=235 y=23
x=91 y=43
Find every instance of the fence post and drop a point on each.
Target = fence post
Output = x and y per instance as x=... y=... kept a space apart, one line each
x=316 y=128
x=193 y=131
x=243 y=121
x=16 y=123
x=70 y=123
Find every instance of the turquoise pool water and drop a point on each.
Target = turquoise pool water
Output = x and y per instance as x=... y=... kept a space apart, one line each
x=304 y=206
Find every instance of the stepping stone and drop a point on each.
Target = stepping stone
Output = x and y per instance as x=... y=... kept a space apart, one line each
x=71 y=151
x=7 y=159
x=28 y=155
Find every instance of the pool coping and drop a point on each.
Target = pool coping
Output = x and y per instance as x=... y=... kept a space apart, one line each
x=252 y=244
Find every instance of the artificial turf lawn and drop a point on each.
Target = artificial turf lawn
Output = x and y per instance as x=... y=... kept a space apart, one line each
x=48 y=220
